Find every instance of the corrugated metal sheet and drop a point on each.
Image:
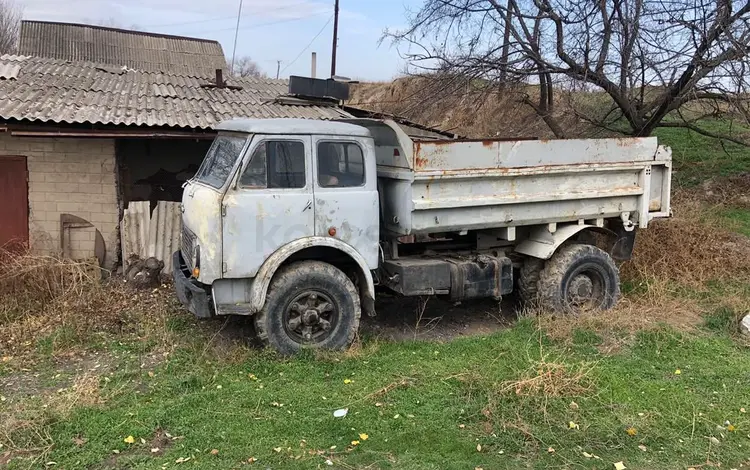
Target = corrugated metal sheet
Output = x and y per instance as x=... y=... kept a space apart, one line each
x=57 y=91
x=164 y=232
x=9 y=71
x=134 y=49
x=146 y=234
x=134 y=231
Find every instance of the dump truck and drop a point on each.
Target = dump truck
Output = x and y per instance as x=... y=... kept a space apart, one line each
x=299 y=223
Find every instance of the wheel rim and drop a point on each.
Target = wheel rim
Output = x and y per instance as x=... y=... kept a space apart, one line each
x=310 y=317
x=586 y=287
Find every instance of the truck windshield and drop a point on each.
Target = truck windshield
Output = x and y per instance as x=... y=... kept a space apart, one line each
x=220 y=160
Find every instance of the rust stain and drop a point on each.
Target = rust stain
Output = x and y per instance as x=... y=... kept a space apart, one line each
x=444 y=142
x=421 y=162
x=488 y=143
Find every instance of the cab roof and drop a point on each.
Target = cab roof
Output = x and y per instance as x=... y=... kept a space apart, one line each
x=293 y=126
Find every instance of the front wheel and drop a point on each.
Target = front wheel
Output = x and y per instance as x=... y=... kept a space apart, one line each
x=309 y=304
x=579 y=277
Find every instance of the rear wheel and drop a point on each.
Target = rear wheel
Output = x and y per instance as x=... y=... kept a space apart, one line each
x=309 y=304
x=579 y=277
x=528 y=280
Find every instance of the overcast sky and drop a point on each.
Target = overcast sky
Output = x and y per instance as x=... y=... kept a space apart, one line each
x=270 y=30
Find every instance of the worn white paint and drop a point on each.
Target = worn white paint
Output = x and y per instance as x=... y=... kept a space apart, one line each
x=543 y=242
x=292 y=127
x=202 y=216
x=260 y=221
x=456 y=200
x=260 y=283
x=351 y=211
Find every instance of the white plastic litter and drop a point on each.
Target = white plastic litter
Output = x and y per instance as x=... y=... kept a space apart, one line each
x=745 y=325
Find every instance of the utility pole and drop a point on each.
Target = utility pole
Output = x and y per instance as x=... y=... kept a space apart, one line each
x=236 y=33
x=278 y=68
x=335 y=37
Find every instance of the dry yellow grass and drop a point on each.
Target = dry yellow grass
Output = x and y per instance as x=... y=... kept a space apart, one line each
x=670 y=276
x=66 y=303
x=691 y=248
x=551 y=378
x=475 y=110
x=29 y=282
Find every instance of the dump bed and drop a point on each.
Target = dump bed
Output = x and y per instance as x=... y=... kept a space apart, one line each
x=458 y=185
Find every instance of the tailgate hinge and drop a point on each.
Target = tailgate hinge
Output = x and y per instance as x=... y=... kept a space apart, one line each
x=223 y=210
x=224 y=267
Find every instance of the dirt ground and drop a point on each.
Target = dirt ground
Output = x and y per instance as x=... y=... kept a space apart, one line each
x=398 y=319
x=404 y=318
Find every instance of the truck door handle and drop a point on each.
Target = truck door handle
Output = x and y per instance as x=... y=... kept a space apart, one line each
x=308 y=206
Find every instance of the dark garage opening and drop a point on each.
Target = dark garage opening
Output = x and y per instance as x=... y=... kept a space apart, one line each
x=155 y=169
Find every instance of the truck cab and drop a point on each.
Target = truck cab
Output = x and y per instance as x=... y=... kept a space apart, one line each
x=270 y=192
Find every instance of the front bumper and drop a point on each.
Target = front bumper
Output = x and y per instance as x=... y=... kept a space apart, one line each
x=191 y=294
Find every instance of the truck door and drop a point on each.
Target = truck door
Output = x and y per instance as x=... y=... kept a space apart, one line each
x=346 y=197
x=269 y=205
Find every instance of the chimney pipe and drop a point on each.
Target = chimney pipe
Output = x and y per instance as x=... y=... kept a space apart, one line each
x=314 y=65
x=220 y=78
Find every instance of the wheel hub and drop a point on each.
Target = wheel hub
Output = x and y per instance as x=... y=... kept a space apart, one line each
x=310 y=316
x=581 y=288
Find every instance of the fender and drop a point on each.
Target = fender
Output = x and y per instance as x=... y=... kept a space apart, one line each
x=542 y=244
x=262 y=280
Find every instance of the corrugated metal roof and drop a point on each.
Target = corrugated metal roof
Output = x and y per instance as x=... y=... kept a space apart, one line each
x=133 y=49
x=59 y=91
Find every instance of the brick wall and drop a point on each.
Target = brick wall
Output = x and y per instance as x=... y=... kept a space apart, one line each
x=69 y=176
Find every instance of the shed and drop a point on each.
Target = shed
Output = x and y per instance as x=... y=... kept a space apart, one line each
x=120 y=47
x=81 y=140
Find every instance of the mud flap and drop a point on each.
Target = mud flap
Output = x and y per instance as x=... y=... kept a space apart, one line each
x=622 y=249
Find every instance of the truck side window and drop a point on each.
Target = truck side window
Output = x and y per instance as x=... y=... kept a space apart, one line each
x=276 y=164
x=340 y=165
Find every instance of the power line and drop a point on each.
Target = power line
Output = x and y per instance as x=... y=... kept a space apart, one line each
x=259 y=25
x=309 y=44
x=208 y=20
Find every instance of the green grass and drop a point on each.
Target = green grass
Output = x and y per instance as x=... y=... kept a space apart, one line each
x=698 y=158
x=439 y=402
x=738 y=219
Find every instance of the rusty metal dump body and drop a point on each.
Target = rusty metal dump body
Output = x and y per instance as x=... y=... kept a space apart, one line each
x=454 y=186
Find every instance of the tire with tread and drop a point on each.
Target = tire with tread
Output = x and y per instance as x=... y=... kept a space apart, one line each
x=577 y=260
x=528 y=280
x=314 y=276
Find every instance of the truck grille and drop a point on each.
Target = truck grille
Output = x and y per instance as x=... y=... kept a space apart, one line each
x=188 y=246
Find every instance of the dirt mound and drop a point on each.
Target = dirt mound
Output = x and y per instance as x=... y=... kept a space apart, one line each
x=691 y=248
x=732 y=191
x=467 y=110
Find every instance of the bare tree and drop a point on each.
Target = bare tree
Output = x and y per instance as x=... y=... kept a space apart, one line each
x=246 y=67
x=642 y=64
x=10 y=23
